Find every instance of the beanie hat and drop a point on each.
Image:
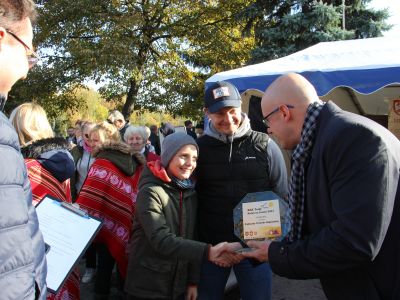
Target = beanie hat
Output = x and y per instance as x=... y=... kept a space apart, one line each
x=221 y=94
x=173 y=143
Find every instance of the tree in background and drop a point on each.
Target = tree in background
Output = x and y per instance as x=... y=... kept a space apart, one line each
x=283 y=27
x=96 y=109
x=152 y=54
x=156 y=54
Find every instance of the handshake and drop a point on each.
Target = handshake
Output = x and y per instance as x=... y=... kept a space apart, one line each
x=228 y=254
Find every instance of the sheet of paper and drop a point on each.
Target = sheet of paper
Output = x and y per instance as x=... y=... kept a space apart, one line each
x=68 y=234
x=261 y=220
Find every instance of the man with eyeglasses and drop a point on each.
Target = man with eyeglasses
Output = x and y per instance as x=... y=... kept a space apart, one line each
x=344 y=196
x=233 y=160
x=22 y=250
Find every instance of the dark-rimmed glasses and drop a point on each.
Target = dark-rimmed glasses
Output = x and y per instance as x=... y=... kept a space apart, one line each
x=31 y=55
x=265 y=119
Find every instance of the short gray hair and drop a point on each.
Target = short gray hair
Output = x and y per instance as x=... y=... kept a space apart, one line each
x=141 y=130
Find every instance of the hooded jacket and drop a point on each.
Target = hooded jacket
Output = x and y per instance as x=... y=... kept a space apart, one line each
x=49 y=167
x=109 y=193
x=22 y=253
x=163 y=259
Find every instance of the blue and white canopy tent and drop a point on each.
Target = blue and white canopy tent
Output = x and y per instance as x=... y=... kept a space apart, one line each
x=359 y=75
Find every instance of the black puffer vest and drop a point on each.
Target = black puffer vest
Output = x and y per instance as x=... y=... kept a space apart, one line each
x=224 y=179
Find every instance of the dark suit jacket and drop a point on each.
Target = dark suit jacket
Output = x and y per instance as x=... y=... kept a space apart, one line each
x=352 y=211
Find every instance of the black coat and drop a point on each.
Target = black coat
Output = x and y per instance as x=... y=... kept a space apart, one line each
x=352 y=211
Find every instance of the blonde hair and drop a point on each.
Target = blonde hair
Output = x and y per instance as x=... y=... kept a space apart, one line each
x=107 y=132
x=30 y=122
x=87 y=125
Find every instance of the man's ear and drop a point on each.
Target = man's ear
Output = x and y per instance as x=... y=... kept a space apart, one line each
x=285 y=112
x=205 y=110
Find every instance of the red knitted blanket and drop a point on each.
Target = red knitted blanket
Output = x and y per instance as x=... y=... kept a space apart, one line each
x=43 y=183
x=110 y=195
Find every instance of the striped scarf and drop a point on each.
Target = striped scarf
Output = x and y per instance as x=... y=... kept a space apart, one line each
x=182 y=184
x=300 y=159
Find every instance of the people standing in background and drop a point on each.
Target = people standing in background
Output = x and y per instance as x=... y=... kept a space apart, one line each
x=167 y=129
x=22 y=250
x=234 y=160
x=71 y=138
x=51 y=163
x=149 y=146
x=164 y=261
x=78 y=132
x=83 y=160
x=190 y=129
x=136 y=137
x=199 y=129
x=344 y=195
x=50 y=166
x=154 y=139
x=109 y=193
x=117 y=118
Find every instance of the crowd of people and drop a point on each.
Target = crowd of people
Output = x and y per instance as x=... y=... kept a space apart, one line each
x=167 y=207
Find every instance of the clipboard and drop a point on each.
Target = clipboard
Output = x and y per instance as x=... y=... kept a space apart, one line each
x=68 y=231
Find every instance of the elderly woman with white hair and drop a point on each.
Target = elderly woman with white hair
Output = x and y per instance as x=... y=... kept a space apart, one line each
x=137 y=137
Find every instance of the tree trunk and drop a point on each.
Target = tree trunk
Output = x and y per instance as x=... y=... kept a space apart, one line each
x=129 y=105
x=134 y=83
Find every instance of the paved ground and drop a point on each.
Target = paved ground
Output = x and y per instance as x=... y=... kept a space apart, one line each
x=282 y=289
x=287 y=289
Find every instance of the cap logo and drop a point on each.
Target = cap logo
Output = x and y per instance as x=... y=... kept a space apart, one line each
x=222 y=91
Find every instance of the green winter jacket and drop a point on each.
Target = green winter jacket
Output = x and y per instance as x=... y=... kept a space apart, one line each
x=163 y=260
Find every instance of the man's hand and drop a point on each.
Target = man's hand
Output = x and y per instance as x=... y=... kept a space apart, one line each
x=260 y=251
x=224 y=254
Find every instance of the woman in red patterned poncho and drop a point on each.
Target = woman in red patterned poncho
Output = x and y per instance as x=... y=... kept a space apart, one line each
x=49 y=166
x=109 y=193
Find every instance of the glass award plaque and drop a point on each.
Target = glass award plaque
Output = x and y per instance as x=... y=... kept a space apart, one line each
x=261 y=216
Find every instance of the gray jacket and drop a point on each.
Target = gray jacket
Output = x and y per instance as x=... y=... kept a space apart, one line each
x=22 y=254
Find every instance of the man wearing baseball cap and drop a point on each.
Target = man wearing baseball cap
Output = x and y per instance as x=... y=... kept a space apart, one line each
x=234 y=160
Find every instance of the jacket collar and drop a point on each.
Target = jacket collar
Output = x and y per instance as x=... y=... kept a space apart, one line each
x=121 y=155
x=53 y=155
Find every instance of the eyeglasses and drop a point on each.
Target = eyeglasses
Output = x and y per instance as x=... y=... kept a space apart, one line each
x=265 y=119
x=31 y=55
